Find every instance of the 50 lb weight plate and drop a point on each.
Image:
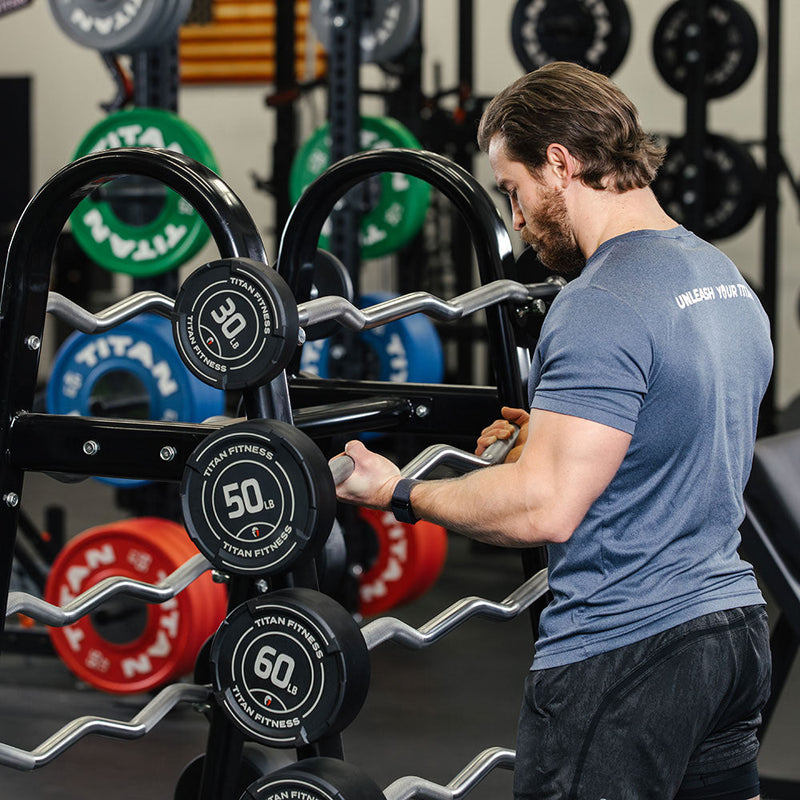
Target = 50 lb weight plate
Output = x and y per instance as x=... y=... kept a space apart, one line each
x=135 y=225
x=127 y=646
x=258 y=497
x=398 y=203
x=290 y=667
x=730 y=42
x=593 y=33
x=236 y=323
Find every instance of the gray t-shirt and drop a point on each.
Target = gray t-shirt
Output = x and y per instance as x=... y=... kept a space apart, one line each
x=660 y=337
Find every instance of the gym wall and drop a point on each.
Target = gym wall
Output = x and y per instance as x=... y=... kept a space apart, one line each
x=69 y=83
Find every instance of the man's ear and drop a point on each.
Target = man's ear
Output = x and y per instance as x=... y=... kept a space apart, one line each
x=563 y=164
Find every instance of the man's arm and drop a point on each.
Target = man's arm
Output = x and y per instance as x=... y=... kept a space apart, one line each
x=565 y=465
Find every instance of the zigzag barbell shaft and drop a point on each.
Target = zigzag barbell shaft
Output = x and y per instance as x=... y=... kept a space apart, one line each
x=79 y=318
x=71 y=733
x=466 y=780
x=324 y=777
x=47 y=613
x=436 y=455
x=392 y=629
x=341 y=310
x=322 y=309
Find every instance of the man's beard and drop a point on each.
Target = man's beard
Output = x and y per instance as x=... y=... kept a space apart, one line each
x=556 y=247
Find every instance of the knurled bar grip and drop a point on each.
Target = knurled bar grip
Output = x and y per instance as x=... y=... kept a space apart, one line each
x=73 y=731
x=434 y=456
x=41 y=611
x=466 y=780
x=321 y=309
x=389 y=628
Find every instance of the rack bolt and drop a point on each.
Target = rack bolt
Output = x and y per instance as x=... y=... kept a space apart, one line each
x=422 y=411
x=11 y=499
x=168 y=452
x=91 y=448
x=33 y=342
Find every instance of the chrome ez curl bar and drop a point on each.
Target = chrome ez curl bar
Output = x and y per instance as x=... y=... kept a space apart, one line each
x=237 y=301
x=327 y=779
x=374 y=634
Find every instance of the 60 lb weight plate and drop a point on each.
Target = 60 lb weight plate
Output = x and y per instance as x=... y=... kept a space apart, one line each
x=732 y=184
x=593 y=33
x=127 y=646
x=290 y=667
x=135 y=225
x=130 y=371
x=396 y=210
x=235 y=323
x=731 y=44
x=258 y=497
x=407 y=350
x=318 y=778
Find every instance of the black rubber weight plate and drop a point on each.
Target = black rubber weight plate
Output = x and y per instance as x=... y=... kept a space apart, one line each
x=731 y=43
x=593 y=33
x=235 y=323
x=316 y=779
x=732 y=185
x=290 y=667
x=258 y=497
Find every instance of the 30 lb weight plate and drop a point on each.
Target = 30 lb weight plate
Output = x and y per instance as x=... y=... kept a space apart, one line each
x=127 y=646
x=388 y=27
x=318 y=778
x=409 y=560
x=135 y=225
x=258 y=497
x=731 y=45
x=407 y=350
x=235 y=323
x=398 y=203
x=290 y=667
x=732 y=184
x=130 y=371
x=593 y=33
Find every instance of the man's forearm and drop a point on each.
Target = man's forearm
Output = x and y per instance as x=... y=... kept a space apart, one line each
x=489 y=505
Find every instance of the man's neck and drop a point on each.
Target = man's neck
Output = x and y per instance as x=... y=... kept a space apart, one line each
x=598 y=216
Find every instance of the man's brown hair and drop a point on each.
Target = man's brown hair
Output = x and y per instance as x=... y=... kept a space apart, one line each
x=582 y=110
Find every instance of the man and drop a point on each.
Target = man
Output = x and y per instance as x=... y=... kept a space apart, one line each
x=652 y=662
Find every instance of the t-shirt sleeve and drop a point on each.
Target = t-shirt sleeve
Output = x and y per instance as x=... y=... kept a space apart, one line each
x=594 y=359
